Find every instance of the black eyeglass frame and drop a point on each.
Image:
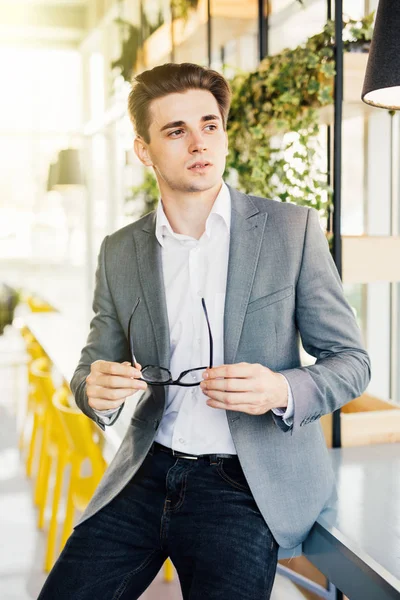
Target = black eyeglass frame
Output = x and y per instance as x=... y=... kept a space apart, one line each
x=171 y=381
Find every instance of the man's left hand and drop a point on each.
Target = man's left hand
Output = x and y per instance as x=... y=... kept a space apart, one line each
x=245 y=387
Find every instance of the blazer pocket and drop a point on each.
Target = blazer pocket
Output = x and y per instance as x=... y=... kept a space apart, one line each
x=270 y=299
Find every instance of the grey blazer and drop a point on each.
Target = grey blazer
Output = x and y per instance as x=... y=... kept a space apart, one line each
x=282 y=283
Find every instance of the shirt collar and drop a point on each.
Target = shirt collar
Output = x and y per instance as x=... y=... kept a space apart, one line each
x=221 y=207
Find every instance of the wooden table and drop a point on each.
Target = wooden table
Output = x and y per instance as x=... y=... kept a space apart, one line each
x=356 y=544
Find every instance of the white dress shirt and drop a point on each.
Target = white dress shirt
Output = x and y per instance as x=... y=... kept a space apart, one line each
x=195 y=269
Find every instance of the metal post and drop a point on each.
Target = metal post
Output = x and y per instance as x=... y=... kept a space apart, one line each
x=209 y=32
x=337 y=171
x=171 y=6
x=329 y=141
x=263 y=28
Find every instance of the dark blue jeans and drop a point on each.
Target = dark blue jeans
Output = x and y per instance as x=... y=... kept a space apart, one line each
x=200 y=513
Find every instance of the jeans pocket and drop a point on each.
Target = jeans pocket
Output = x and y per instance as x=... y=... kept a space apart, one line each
x=231 y=472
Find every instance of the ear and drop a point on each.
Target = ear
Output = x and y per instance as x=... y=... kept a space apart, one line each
x=226 y=144
x=142 y=152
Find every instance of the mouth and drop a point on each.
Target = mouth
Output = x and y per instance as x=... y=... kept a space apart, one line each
x=200 y=166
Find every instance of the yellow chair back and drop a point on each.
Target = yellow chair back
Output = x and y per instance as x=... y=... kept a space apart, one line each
x=80 y=433
x=36 y=304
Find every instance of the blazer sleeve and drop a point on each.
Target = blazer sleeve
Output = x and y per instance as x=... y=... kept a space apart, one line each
x=106 y=339
x=329 y=332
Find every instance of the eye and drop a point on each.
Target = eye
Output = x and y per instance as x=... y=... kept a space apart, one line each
x=213 y=126
x=173 y=132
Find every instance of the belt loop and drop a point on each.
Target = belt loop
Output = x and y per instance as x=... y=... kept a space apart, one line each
x=214 y=459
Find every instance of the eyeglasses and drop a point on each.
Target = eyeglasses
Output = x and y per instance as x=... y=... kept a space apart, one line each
x=155 y=375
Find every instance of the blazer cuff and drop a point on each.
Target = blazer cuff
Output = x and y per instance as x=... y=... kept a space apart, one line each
x=105 y=415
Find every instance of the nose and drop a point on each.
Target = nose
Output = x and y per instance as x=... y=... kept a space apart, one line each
x=197 y=143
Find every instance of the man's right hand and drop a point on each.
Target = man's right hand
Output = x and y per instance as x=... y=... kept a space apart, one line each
x=110 y=383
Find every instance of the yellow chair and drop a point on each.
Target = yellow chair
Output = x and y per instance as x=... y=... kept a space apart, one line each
x=81 y=433
x=59 y=450
x=36 y=304
x=34 y=351
x=82 y=448
x=52 y=437
x=36 y=408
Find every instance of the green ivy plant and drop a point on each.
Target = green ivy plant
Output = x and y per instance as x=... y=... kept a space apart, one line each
x=273 y=123
x=147 y=192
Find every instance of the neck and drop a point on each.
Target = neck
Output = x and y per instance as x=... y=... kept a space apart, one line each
x=187 y=212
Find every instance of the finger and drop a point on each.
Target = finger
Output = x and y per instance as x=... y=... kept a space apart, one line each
x=228 y=385
x=230 y=399
x=236 y=371
x=103 y=393
x=113 y=368
x=138 y=366
x=115 y=382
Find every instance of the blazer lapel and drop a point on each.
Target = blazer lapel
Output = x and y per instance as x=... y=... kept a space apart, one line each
x=148 y=253
x=247 y=230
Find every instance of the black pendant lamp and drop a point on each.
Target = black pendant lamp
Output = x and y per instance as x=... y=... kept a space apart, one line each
x=69 y=168
x=382 y=77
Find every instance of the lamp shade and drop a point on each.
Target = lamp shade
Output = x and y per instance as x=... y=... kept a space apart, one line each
x=52 y=176
x=69 y=168
x=382 y=77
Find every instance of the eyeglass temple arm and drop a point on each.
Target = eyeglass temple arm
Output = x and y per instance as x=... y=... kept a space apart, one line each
x=129 y=332
x=209 y=331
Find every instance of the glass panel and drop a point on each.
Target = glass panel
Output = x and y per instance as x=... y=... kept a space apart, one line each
x=378 y=174
x=234 y=32
x=356 y=295
x=31 y=134
x=378 y=327
x=291 y=23
x=156 y=32
x=190 y=36
x=355 y=9
x=96 y=89
x=353 y=176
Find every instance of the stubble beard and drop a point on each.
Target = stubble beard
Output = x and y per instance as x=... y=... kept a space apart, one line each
x=186 y=187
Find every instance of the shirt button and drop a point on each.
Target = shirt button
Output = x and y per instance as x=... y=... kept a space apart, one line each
x=182 y=441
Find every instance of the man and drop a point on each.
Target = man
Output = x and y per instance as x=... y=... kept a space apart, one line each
x=221 y=465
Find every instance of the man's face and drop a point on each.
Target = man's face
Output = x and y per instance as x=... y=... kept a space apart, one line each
x=188 y=144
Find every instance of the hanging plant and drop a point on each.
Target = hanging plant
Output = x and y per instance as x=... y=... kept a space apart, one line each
x=273 y=124
x=181 y=9
x=130 y=35
x=133 y=38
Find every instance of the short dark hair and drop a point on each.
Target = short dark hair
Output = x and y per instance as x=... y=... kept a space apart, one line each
x=172 y=78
